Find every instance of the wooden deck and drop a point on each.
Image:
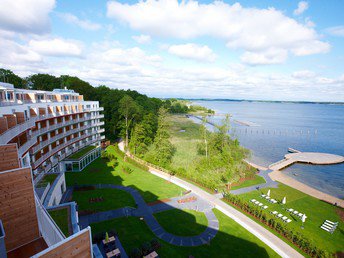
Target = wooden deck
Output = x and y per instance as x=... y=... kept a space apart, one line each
x=315 y=158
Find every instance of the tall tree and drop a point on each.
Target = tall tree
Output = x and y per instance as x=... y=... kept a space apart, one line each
x=128 y=109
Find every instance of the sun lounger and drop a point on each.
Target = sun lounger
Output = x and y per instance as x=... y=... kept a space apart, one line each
x=326 y=229
x=279 y=215
x=300 y=215
x=267 y=197
x=263 y=195
x=288 y=220
x=265 y=207
x=260 y=204
x=295 y=212
x=284 y=218
x=256 y=202
x=253 y=200
x=290 y=210
x=330 y=222
x=274 y=212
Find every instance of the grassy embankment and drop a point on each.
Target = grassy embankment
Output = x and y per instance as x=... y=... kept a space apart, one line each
x=316 y=211
x=231 y=239
x=185 y=135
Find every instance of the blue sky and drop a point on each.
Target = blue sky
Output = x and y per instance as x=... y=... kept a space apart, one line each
x=276 y=50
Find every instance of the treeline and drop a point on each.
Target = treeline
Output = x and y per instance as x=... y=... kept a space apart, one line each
x=139 y=108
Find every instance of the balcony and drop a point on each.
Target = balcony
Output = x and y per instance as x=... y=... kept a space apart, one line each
x=57 y=137
x=26 y=146
x=60 y=147
x=8 y=135
x=101 y=130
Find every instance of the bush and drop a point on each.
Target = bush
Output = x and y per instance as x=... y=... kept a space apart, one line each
x=155 y=244
x=146 y=248
x=118 y=151
x=126 y=170
x=136 y=253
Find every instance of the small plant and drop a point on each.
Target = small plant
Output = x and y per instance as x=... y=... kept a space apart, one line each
x=106 y=237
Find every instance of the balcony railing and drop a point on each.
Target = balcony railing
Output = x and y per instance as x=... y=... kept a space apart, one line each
x=57 y=137
x=9 y=134
x=26 y=146
x=48 y=228
x=58 y=148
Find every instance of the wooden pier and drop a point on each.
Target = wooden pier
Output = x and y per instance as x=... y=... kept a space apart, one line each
x=315 y=158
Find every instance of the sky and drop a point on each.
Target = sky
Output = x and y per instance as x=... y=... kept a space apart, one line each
x=249 y=49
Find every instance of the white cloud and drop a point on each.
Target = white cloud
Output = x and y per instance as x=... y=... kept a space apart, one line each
x=301 y=7
x=57 y=47
x=251 y=29
x=193 y=51
x=84 y=24
x=303 y=74
x=24 y=16
x=271 y=56
x=142 y=39
x=336 y=31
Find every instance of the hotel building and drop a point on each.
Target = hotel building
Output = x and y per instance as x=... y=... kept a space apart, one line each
x=43 y=133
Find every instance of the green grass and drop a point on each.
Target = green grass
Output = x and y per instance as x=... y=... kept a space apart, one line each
x=49 y=178
x=316 y=211
x=151 y=187
x=257 y=180
x=232 y=240
x=82 y=152
x=185 y=142
x=60 y=216
x=112 y=199
x=185 y=222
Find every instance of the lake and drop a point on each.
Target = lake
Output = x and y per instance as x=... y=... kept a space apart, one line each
x=268 y=129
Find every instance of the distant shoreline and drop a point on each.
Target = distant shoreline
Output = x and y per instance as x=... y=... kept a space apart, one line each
x=267 y=101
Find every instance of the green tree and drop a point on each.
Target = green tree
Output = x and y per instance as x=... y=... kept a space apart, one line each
x=9 y=77
x=44 y=82
x=128 y=109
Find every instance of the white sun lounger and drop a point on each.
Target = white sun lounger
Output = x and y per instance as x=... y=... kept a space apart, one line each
x=263 y=195
x=284 y=218
x=265 y=207
x=253 y=200
x=330 y=222
x=288 y=220
x=280 y=215
x=295 y=212
x=326 y=226
x=256 y=202
x=300 y=214
x=326 y=229
x=290 y=210
x=260 y=204
x=274 y=212
x=267 y=197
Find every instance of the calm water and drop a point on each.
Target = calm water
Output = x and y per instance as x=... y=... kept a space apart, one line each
x=277 y=126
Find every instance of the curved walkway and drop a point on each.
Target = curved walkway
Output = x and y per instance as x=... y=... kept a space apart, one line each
x=145 y=211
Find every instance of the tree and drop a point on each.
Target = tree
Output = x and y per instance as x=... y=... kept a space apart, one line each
x=128 y=109
x=9 y=77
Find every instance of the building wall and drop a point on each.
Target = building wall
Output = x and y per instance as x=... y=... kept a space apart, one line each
x=8 y=157
x=78 y=245
x=17 y=209
x=55 y=193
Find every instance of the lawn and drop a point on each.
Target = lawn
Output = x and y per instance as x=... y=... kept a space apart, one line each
x=82 y=152
x=60 y=216
x=49 y=178
x=232 y=240
x=257 y=180
x=111 y=199
x=152 y=188
x=316 y=211
x=185 y=222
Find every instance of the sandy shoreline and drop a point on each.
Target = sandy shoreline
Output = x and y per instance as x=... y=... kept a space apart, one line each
x=279 y=176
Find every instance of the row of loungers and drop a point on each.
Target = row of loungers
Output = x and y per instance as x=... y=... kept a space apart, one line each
x=268 y=198
x=259 y=204
x=295 y=212
x=280 y=216
x=329 y=226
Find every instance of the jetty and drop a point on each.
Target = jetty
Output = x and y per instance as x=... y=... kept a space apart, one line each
x=315 y=158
